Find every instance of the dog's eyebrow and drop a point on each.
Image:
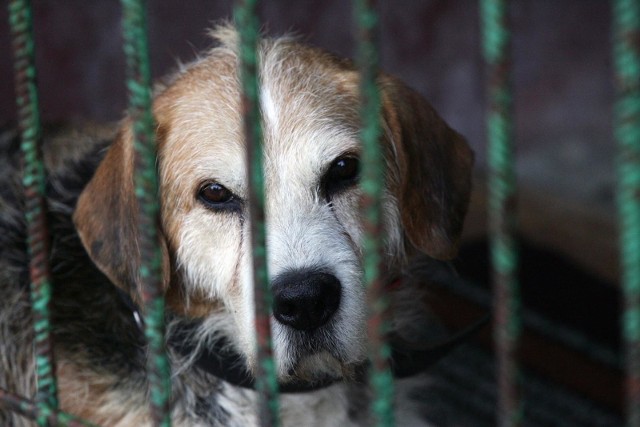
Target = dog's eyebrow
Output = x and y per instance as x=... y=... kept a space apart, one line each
x=341 y=139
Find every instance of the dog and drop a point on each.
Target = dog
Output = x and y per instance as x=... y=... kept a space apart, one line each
x=310 y=116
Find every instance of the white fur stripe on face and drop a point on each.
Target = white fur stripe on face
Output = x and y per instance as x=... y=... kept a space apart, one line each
x=269 y=108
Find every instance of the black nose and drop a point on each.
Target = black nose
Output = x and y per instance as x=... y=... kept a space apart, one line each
x=305 y=300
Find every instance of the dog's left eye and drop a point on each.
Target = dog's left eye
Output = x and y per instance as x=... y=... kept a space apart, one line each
x=217 y=196
x=343 y=173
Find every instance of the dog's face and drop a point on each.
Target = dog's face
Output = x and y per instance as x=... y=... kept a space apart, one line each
x=309 y=104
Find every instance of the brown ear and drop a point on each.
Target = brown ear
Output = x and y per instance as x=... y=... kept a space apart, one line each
x=434 y=170
x=106 y=218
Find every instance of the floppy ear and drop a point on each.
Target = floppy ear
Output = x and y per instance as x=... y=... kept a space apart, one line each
x=434 y=165
x=106 y=218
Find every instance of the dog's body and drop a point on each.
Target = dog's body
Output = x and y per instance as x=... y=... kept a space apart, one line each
x=310 y=119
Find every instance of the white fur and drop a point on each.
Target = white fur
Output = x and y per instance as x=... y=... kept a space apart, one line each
x=302 y=138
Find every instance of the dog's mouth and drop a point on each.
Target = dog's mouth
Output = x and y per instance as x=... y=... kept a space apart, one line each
x=317 y=354
x=323 y=367
x=310 y=361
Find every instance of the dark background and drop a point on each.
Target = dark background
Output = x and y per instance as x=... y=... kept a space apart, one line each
x=561 y=52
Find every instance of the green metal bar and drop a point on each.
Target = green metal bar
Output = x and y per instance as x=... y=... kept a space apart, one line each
x=266 y=378
x=626 y=50
x=496 y=36
x=23 y=45
x=372 y=182
x=136 y=49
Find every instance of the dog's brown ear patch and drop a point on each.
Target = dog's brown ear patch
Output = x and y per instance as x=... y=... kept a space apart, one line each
x=434 y=166
x=106 y=217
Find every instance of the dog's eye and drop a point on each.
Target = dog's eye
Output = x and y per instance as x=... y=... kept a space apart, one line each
x=343 y=173
x=216 y=196
x=346 y=168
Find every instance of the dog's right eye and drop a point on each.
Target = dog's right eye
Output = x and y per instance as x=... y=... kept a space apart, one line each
x=343 y=173
x=218 y=197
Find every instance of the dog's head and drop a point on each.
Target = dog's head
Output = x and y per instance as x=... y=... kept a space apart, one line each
x=310 y=115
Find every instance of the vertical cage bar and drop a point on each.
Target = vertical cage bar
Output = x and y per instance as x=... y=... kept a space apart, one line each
x=372 y=182
x=626 y=50
x=496 y=36
x=266 y=380
x=23 y=45
x=136 y=49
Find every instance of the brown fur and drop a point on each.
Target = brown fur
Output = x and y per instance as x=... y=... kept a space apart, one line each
x=433 y=158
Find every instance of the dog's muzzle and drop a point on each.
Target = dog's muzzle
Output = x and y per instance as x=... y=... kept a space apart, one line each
x=305 y=300
x=221 y=361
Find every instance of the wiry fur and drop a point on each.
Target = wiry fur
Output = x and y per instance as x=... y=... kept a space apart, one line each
x=310 y=117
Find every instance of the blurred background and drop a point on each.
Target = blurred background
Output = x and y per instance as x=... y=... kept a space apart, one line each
x=565 y=150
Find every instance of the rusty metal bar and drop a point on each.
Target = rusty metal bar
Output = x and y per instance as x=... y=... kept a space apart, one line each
x=372 y=182
x=23 y=45
x=626 y=55
x=136 y=49
x=496 y=35
x=266 y=379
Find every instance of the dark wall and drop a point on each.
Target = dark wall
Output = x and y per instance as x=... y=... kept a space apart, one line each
x=562 y=67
